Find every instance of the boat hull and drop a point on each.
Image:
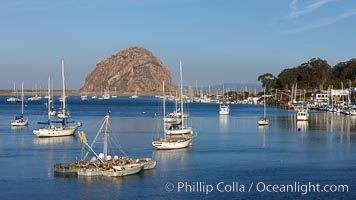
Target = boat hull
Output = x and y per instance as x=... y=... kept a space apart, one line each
x=352 y=112
x=148 y=163
x=17 y=122
x=90 y=172
x=263 y=122
x=132 y=169
x=174 y=144
x=223 y=112
x=53 y=131
x=66 y=168
x=113 y=172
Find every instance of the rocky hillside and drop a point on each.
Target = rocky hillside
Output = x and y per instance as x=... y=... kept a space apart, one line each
x=130 y=70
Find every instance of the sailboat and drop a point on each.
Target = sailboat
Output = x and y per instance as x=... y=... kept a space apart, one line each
x=224 y=109
x=168 y=142
x=35 y=97
x=14 y=99
x=19 y=120
x=84 y=97
x=115 y=95
x=303 y=114
x=135 y=96
x=106 y=95
x=180 y=129
x=63 y=113
x=103 y=163
x=264 y=120
x=56 y=128
x=52 y=112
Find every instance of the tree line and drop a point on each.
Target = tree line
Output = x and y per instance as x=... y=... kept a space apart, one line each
x=316 y=74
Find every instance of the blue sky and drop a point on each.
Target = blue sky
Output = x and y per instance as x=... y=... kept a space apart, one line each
x=218 y=41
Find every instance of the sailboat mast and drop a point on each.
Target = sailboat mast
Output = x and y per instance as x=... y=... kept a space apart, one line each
x=176 y=104
x=223 y=93
x=49 y=97
x=164 y=107
x=106 y=133
x=14 y=89
x=51 y=94
x=22 y=98
x=349 y=96
x=264 y=103
x=181 y=92
x=98 y=134
x=64 y=89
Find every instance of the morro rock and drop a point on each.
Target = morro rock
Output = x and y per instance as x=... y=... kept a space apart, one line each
x=130 y=70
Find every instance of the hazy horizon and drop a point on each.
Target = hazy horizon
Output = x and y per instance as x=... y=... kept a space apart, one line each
x=218 y=41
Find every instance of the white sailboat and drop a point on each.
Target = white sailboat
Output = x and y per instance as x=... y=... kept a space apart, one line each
x=224 y=109
x=115 y=95
x=168 y=142
x=63 y=113
x=35 y=97
x=135 y=96
x=84 y=97
x=14 y=98
x=19 y=120
x=106 y=95
x=302 y=114
x=52 y=112
x=264 y=121
x=94 y=97
x=57 y=128
x=180 y=129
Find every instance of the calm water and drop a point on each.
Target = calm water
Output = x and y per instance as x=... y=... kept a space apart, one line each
x=229 y=149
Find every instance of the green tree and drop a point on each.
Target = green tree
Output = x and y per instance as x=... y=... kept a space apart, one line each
x=309 y=75
x=345 y=71
x=287 y=78
x=268 y=81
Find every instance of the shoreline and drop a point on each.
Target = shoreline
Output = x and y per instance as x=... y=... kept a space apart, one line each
x=71 y=93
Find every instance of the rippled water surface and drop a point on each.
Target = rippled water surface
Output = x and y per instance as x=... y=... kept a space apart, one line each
x=230 y=153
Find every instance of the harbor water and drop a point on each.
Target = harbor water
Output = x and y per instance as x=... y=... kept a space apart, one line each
x=231 y=157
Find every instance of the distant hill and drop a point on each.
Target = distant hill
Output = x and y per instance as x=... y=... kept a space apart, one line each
x=129 y=70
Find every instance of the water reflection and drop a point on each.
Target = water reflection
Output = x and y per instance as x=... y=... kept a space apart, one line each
x=18 y=129
x=109 y=180
x=163 y=156
x=262 y=130
x=331 y=122
x=302 y=126
x=53 y=140
x=324 y=127
x=319 y=121
x=224 y=123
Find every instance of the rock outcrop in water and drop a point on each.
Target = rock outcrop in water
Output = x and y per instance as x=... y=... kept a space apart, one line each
x=130 y=70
